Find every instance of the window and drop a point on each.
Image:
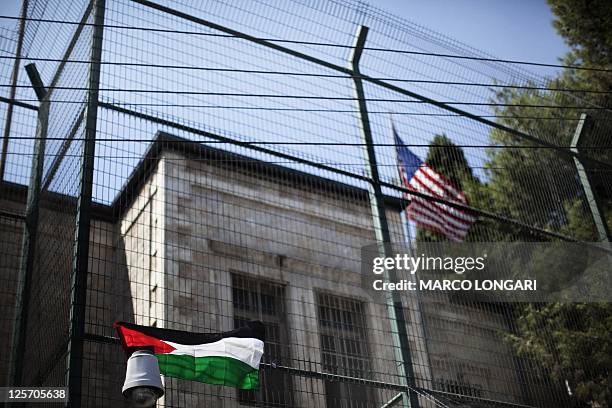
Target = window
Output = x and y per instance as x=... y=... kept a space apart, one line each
x=255 y=299
x=344 y=350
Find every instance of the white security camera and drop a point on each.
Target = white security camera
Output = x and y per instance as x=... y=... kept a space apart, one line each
x=143 y=386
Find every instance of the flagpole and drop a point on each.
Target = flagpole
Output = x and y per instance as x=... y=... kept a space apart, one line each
x=406 y=226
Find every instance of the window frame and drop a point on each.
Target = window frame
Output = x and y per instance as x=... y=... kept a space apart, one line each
x=255 y=287
x=361 y=336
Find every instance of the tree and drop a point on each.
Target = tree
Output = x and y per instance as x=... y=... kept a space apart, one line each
x=572 y=341
x=528 y=183
x=577 y=347
x=586 y=26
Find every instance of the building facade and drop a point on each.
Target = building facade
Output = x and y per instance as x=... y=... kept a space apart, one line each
x=202 y=239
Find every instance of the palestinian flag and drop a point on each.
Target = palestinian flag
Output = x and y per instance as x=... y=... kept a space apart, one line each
x=231 y=358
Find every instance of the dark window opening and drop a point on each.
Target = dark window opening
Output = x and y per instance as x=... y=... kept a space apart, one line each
x=344 y=351
x=255 y=299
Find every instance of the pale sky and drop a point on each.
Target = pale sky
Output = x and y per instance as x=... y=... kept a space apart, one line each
x=517 y=29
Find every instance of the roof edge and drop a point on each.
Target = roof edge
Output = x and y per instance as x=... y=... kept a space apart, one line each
x=164 y=141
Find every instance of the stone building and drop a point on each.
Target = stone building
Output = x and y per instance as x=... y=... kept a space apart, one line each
x=203 y=239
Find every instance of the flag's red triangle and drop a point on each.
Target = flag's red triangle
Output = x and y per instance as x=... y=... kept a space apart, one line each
x=135 y=339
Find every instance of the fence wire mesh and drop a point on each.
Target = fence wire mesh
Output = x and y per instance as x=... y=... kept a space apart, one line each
x=230 y=184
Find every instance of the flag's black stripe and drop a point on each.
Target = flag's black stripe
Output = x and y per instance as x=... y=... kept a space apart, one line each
x=253 y=329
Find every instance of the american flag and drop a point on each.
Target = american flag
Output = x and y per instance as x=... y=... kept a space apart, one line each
x=417 y=176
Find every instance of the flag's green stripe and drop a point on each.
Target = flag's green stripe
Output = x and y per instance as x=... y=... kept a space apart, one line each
x=212 y=370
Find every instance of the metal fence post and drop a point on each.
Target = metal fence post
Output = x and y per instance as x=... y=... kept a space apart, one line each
x=594 y=204
x=395 y=307
x=29 y=243
x=78 y=295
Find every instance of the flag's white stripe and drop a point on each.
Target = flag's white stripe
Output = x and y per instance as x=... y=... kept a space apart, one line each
x=247 y=350
x=427 y=223
x=458 y=214
x=438 y=190
x=417 y=215
x=443 y=182
x=459 y=219
x=444 y=221
x=442 y=224
x=424 y=185
x=420 y=187
x=435 y=209
x=420 y=219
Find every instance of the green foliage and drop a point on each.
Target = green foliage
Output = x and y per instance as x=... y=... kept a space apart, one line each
x=528 y=183
x=586 y=26
x=577 y=346
x=580 y=224
x=572 y=341
x=448 y=159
